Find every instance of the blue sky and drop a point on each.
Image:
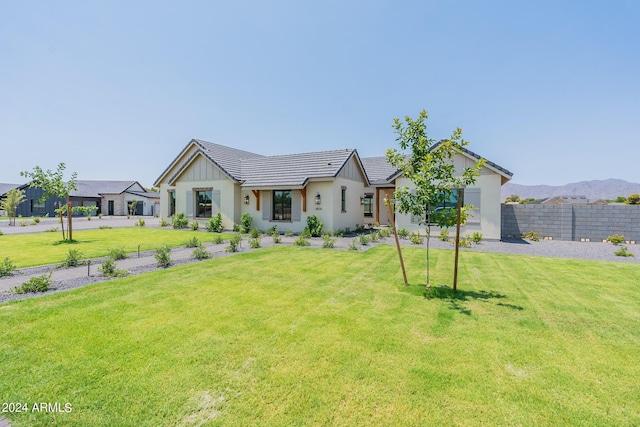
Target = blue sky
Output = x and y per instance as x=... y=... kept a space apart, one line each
x=548 y=89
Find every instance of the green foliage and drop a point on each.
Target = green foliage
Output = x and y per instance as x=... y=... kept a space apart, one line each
x=89 y=218
x=140 y=222
x=215 y=223
x=245 y=221
x=315 y=226
x=73 y=259
x=354 y=245
x=132 y=207
x=109 y=269
x=255 y=242
x=35 y=284
x=180 y=220
x=218 y=239
x=104 y=227
x=514 y=198
x=360 y=228
x=275 y=235
x=195 y=225
x=255 y=233
x=416 y=238
x=616 y=239
x=235 y=242
x=385 y=232
x=163 y=223
x=364 y=239
x=36 y=220
x=623 y=251
x=465 y=242
x=6 y=267
x=51 y=230
x=633 y=199
x=302 y=240
x=620 y=199
x=200 y=253
x=476 y=237
x=163 y=256
x=403 y=233
x=23 y=223
x=288 y=234
x=1 y=233
x=192 y=243
x=117 y=254
x=328 y=241
x=534 y=236
x=375 y=236
x=444 y=235
x=99 y=216
x=13 y=198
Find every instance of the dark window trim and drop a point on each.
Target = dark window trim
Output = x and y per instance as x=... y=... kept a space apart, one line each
x=282 y=211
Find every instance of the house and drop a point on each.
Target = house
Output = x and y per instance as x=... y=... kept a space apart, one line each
x=4 y=189
x=108 y=197
x=338 y=186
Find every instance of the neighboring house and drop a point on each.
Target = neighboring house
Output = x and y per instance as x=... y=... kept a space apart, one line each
x=338 y=186
x=4 y=189
x=562 y=200
x=108 y=197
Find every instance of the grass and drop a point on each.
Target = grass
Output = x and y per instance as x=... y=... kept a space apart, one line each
x=27 y=250
x=311 y=337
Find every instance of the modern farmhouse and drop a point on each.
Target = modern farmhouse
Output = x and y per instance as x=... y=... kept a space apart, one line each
x=338 y=186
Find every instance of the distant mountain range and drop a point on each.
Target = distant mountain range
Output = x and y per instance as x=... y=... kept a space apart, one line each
x=593 y=190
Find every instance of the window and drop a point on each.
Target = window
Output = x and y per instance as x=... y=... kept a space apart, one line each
x=368 y=205
x=282 y=205
x=343 y=199
x=37 y=206
x=448 y=205
x=203 y=204
x=172 y=203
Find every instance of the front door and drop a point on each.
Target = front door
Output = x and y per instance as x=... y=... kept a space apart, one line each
x=110 y=208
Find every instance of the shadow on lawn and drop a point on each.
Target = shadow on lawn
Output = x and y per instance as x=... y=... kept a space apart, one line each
x=456 y=300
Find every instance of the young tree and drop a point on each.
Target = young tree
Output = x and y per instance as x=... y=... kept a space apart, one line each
x=633 y=199
x=53 y=185
x=430 y=167
x=10 y=204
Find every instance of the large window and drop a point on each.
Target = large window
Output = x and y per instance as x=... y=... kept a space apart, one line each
x=203 y=204
x=447 y=205
x=172 y=203
x=282 y=205
x=37 y=206
x=368 y=205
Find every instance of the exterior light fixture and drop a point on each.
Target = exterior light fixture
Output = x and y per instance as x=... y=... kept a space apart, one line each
x=362 y=200
x=246 y=199
x=318 y=200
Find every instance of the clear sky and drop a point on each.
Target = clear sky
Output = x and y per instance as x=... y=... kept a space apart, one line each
x=115 y=89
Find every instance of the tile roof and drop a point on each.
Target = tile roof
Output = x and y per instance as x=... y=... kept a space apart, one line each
x=88 y=188
x=378 y=169
x=226 y=158
x=504 y=171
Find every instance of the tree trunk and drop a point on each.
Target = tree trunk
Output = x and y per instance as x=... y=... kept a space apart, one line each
x=428 y=285
x=64 y=237
x=69 y=214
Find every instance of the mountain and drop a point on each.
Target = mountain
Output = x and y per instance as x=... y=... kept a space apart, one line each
x=593 y=190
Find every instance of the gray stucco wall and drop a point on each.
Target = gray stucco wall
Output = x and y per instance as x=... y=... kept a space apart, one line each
x=572 y=222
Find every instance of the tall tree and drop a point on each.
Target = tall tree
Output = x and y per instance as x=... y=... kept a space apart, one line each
x=430 y=167
x=11 y=202
x=54 y=185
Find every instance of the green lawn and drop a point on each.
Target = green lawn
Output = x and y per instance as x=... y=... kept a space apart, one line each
x=27 y=250
x=299 y=336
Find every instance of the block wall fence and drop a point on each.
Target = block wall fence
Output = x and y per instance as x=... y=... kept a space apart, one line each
x=571 y=222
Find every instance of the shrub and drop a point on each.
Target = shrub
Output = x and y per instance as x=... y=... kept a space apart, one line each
x=315 y=226
x=444 y=235
x=23 y=223
x=476 y=237
x=364 y=239
x=384 y=232
x=302 y=240
x=118 y=253
x=254 y=242
x=99 y=216
x=163 y=256
x=255 y=233
x=195 y=225
x=6 y=267
x=140 y=222
x=50 y=230
x=163 y=223
x=245 y=221
x=416 y=238
x=36 y=220
x=347 y=230
x=534 y=236
x=288 y=234
x=192 y=243
x=218 y=239
x=215 y=223
x=35 y=284
x=275 y=235
x=88 y=217
x=403 y=233
x=102 y=227
x=623 y=251
x=73 y=259
x=634 y=199
x=328 y=241
x=465 y=242
x=235 y=242
x=180 y=220
x=354 y=245
x=375 y=236
x=616 y=239
x=200 y=253
x=359 y=228
x=108 y=269
x=1 y=233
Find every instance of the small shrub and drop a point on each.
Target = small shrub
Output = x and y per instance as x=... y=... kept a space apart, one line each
x=163 y=256
x=35 y=284
x=50 y=230
x=347 y=230
x=275 y=235
x=215 y=223
x=364 y=239
x=328 y=241
x=23 y=223
x=235 y=242
x=140 y=222
x=192 y=243
x=360 y=228
x=36 y=220
x=616 y=239
x=245 y=221
x=465 y=242
x=180 y=220
x=99 y=216
x=103 y=227
x=6 y=267
x=195 y=225
x=623 y=251
x=534 y=236
x=354 y=245
x=384 y=232
x=254 y=242
x=476 y=237
x=416 y=238
x=108 y=269
x=315 y=225
x=444 y=235
x=375 y=236
x=218 y=239
x=237 y=228
x=1 y=233
x=302 y=240
x=117 y=254
x=269 y=231
x=88 y=217
x=255 y=233
x=73 y=259
x=163 y=223
x=288 y=234
x=403 y=233
x=200 y=253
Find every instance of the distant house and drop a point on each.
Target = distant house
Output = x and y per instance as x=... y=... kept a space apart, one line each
x=338 y=186
x=562 y=200
x=4 y=189
x=108 y=197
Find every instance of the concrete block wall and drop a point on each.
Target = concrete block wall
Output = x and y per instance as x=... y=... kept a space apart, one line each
x=572 y=222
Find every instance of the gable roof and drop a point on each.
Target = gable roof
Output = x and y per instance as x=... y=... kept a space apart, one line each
x=5 y=188
x=90 y=188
